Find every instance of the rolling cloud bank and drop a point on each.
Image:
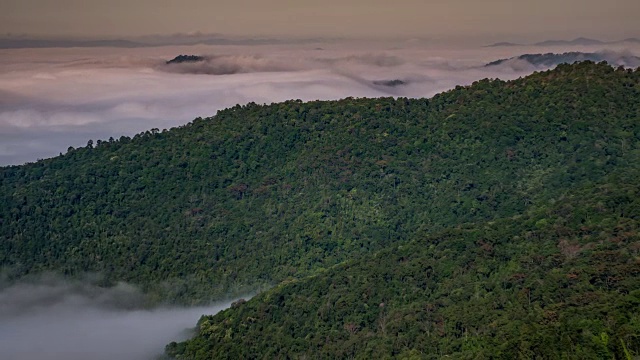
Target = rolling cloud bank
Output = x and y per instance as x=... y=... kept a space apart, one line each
x=53 y=319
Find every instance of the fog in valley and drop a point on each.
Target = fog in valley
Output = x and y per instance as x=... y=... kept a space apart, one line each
x=53 y=319
x=53 y=98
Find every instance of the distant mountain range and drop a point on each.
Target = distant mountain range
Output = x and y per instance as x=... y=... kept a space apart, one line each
x=50 y=43
x=21 y=42
x=581 y=41
x=146 y=41
x=503 y=43
x=552 y=59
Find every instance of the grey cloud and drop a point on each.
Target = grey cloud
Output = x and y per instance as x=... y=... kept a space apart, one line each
x=8 y=99
x=53 y=319
x=51 y=293
x=380 y=60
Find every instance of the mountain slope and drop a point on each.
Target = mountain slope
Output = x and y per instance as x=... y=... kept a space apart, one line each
x=258 y=194
x=562 y=281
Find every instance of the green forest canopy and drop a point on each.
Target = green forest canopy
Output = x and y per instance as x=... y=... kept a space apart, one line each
x=261 y=194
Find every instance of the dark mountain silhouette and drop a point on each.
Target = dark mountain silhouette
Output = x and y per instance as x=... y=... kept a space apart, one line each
x=551 y=59
x=581 y=41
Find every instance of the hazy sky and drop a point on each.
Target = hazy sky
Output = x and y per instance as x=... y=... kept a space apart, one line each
x=524 y=19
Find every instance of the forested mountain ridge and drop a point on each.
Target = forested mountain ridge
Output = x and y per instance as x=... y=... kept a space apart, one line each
x=258 y=194
x=561 y=282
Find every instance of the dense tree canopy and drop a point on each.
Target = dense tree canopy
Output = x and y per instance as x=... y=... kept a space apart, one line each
x=556 y=283
x=261 y=194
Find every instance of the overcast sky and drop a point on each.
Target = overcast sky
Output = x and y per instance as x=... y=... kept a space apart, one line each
x=512 y=19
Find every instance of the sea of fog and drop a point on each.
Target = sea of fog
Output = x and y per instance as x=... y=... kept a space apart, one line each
x=54 y=98
x=57 y=320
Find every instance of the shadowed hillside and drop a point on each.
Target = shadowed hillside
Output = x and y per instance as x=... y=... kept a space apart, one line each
x=561 y=282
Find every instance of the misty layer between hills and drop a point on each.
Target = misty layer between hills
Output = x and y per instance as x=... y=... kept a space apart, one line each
x=243 y=64
x=53 y=319
x=228 y=64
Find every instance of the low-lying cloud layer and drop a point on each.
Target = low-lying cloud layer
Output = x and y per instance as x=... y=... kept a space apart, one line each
x=57 y=320
x=230 y=64
x=51 y=99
